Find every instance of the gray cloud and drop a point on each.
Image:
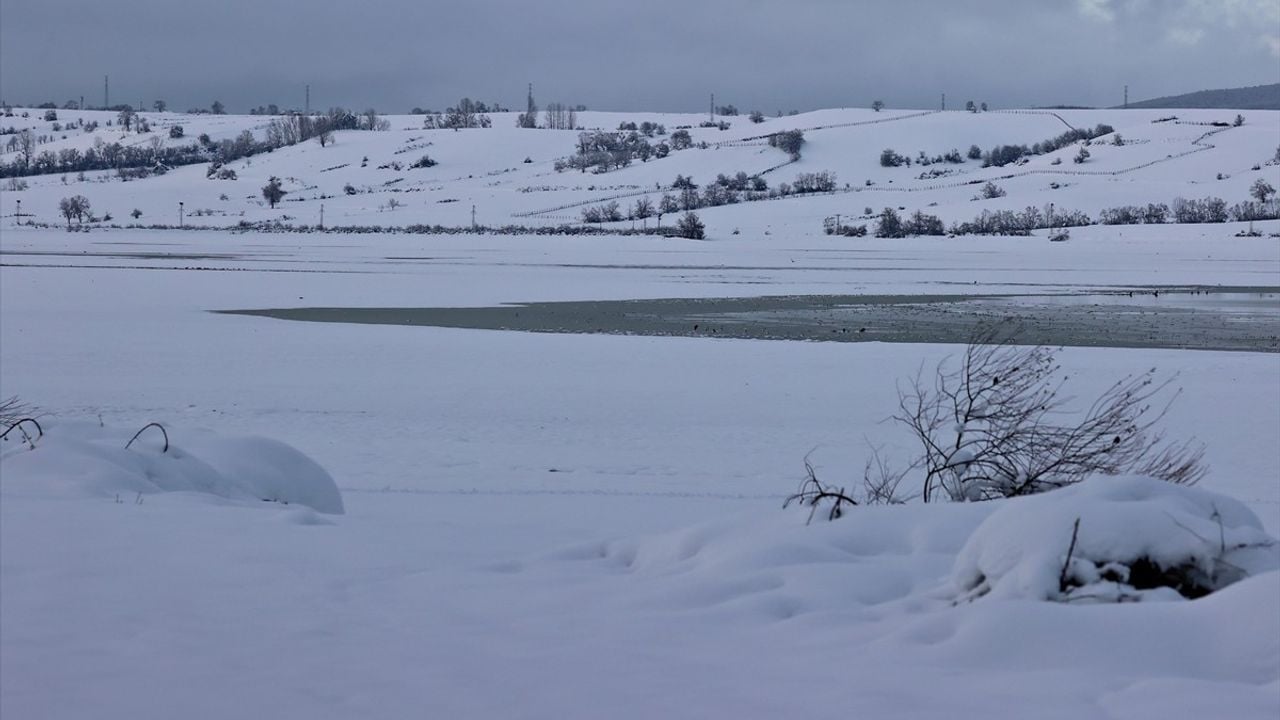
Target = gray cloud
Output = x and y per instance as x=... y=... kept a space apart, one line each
x=615 y=54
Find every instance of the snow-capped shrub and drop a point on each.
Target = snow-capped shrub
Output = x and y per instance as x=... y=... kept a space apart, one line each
x=789 y=141
x=1114 y=539
x=890 y=158
x=90 y=460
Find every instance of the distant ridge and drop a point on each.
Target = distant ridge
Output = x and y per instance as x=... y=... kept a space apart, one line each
x=1258 y=97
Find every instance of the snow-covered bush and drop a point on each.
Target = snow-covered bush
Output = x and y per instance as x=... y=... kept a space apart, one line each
x=87 y=459
x=1118 y=539
x=691 y=227
x=890 y=158
x=423 y=162
x=789 y=141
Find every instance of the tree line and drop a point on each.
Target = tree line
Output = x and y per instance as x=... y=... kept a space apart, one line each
x=158 y=157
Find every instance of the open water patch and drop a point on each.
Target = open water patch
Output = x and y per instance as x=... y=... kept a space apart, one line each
x=1246 y=319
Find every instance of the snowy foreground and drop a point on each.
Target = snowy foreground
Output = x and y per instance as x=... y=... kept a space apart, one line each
x=561 y=525
x=377 y=521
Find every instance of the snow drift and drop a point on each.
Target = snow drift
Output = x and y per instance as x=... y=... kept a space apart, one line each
x=84 y=459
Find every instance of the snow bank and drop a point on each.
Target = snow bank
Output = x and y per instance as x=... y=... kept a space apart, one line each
x=1138 y=538
x=85 y=459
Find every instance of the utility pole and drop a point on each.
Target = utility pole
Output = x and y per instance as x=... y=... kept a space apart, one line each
x=321 y=216
x=713 y=107
x=106 y=91
x=944 y=101
x=1126 y=97
x=82 y=107
x=180 y=208
x=18 y=213
x=307 y=107
x=473 y=217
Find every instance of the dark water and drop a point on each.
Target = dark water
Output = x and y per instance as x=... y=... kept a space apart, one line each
x=1221 y=319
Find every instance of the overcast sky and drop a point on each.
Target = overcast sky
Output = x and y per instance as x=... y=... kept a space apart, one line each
x=632 y=54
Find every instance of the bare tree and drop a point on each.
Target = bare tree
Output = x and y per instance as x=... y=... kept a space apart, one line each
x=26 y=146
x=988 y=428
x=1261 y=190
x=642 y=209
x=369 y=120
x=75 y=207
x=559 y=116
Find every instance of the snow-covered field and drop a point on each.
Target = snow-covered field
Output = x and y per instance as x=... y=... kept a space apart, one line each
x=539 y=525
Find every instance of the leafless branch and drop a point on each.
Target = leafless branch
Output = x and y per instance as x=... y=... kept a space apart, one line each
x=992 y=426
x=813 y=492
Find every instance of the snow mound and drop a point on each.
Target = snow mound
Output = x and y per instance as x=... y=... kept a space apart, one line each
x=766 y=566
x=81 y=459
x=1138 y=539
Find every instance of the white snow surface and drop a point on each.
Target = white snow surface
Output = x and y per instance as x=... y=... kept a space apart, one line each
x=563 y=526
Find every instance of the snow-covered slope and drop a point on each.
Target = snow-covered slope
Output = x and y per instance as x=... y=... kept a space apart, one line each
x=487 y=169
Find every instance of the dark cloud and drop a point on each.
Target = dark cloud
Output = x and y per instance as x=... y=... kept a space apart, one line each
x=611 y=54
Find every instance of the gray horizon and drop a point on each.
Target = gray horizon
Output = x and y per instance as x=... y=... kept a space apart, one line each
x=610 y=55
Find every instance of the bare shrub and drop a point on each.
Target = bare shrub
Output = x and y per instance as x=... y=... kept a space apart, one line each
x=13 y=409
x=990 y=427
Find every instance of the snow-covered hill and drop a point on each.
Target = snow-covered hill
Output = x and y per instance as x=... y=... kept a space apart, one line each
x=507 y=174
